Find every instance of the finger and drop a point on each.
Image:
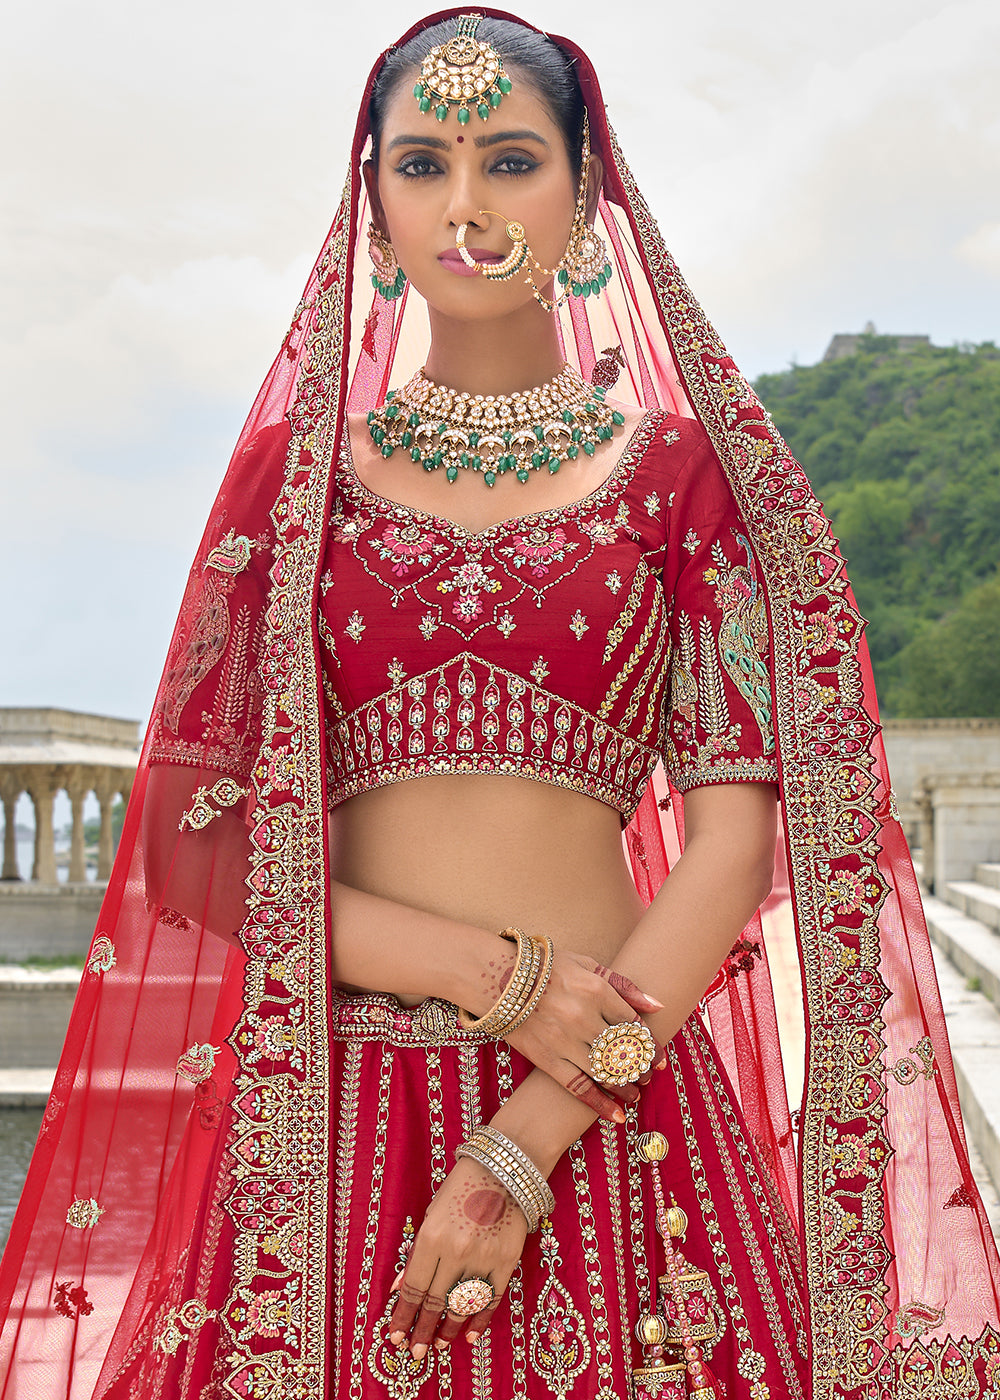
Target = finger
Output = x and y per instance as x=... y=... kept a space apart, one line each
x=627 y=990
x=412 y=1290
x=450 y=1328
x=582 y=1087
x=428 y=1319
x=476 y=1326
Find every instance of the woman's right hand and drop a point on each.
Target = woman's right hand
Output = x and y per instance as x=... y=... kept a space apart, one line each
x=581 y=1000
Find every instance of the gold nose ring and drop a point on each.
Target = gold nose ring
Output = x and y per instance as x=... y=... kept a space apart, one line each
x=513 y=262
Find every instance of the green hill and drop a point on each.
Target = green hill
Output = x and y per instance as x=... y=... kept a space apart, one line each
x=903 y=449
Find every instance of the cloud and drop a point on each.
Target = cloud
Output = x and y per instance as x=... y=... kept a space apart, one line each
x=981 y=249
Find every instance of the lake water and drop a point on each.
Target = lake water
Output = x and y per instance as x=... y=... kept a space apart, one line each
x=18 y=1131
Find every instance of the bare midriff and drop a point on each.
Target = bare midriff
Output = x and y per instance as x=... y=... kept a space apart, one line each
x=491 y=851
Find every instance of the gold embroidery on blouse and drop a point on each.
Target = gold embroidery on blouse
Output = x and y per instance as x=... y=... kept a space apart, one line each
x=627 y=615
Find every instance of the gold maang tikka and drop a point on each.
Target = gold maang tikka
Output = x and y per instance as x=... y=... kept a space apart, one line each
x=583 y=269
x=461 y=73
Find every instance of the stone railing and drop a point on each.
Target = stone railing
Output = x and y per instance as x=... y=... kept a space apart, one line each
x=959 y=825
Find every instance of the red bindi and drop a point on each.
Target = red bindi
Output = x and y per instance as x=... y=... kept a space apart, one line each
x=460 y=139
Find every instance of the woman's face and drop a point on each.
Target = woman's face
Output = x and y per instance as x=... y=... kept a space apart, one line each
x=434 y=176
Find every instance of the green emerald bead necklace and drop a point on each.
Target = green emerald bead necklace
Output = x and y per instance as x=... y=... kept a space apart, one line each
x=494 y=433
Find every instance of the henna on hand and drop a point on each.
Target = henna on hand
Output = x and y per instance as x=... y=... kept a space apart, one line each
x=481 y=1208
x=581 y=1086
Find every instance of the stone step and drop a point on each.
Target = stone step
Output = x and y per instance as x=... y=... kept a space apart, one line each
x=988 y=875
x=972 y=948
x=974 y=1032
x=977 y=901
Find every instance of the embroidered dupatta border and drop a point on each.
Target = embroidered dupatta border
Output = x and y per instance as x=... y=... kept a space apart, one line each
x=281 y=1146
x=834 y=807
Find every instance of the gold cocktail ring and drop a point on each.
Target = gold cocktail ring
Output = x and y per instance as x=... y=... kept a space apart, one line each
x=470 y=1296
x=513 y=262
x=622 y=1053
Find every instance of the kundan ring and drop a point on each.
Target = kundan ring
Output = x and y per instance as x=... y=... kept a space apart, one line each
x=622 y=1053
x=470 y=1296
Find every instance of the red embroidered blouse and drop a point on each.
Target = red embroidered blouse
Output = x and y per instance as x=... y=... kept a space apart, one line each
x=573 y=646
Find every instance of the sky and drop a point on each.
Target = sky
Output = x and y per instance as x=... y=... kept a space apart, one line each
x=171 y=171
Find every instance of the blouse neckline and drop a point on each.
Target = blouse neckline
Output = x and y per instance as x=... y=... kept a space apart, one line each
x=613 y=485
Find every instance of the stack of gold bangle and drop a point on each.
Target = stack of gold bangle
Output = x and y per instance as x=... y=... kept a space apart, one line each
x=528 y=980
x=515 y=1171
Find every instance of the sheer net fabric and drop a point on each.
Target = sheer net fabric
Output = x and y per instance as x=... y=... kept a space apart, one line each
x=192 y=1106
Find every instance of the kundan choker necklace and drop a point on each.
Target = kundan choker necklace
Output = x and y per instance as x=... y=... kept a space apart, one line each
x=494 y=433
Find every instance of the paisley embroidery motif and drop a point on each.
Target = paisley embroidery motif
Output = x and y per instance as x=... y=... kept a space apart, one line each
x=231 y=555
x=203 y=649
x=102 y=955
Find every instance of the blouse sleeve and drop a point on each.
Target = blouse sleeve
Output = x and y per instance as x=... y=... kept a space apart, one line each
x=208 y=708
x=718 y=725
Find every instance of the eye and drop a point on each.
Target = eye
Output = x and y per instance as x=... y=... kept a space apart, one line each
x=415 y=167
x=515 y=165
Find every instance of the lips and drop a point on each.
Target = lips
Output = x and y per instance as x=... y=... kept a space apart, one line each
x=483 y=255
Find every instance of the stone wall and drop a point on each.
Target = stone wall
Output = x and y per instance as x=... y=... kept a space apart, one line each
x=922 y=748
x=47 y=920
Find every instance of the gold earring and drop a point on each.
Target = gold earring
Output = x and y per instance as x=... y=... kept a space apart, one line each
x=584 y=269
x=388 y=279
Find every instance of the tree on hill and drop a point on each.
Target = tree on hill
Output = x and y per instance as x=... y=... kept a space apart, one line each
x=904 y=451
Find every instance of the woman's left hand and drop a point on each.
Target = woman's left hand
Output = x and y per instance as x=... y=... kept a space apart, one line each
x=473 y=1229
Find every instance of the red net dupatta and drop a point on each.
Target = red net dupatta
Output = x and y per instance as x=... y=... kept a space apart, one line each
x=177 y=1216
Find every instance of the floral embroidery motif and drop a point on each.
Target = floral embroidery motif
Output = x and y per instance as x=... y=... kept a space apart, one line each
x=539 y=548
x=346 y=529
x=670 y=436
x=469 y=580
x=428 y=625
x=560 y=1347
x=84 y=1214
x=326 y=581
x=614 y=582
x=71 y=1300
x=180 y=1323
x=355 y=626
x=539 y=670
x=506 y=624
x=906 y=1071
x=578 y=625
x=602 y=531
x=102 y=955
x=402 y=546
x=203 y=648
x=396 y=672
x=652 y=503
x=197 y=1062
x=691 y=541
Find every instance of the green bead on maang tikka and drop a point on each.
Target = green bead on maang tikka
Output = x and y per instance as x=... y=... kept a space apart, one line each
x=465 y=73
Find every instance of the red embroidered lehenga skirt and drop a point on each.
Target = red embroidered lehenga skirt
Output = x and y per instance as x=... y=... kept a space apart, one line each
x=412 y=1084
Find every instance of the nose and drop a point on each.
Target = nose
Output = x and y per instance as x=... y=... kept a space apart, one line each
x=465 y=202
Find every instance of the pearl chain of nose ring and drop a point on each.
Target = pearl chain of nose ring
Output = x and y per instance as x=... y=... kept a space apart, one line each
x=512 y=263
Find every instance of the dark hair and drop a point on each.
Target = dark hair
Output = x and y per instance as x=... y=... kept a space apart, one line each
x=542 y=63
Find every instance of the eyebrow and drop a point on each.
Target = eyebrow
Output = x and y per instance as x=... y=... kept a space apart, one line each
x=497 y=138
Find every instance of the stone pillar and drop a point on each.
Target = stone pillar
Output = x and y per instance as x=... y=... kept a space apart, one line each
x=10 y=790
x=42 y=790
x=106 y=790
x=925 y=834
x=76 y=790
